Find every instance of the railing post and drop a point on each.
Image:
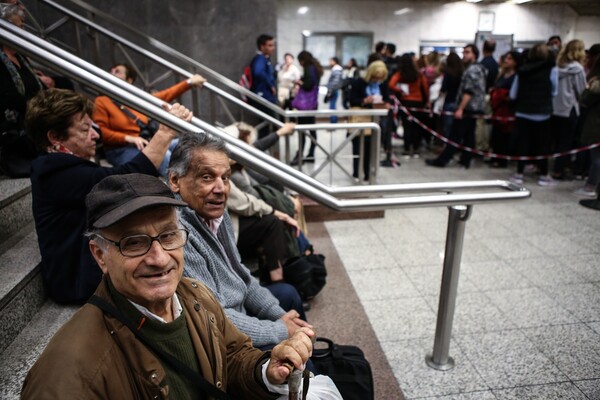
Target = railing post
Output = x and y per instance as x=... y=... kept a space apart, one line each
x=457 y=218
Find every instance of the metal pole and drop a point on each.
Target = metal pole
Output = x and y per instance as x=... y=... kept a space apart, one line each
x=457 y=218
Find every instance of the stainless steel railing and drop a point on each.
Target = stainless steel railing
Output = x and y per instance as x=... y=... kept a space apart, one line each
x=431 y=194
x=184 y=60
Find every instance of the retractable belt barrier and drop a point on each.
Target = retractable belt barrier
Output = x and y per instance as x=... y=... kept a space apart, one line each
x=444 y=139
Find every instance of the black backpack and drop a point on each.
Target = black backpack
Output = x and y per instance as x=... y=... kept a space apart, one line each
x=307 y=273
x=347 y=367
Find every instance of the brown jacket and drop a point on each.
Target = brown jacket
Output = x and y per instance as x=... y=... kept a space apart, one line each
x=94 y=356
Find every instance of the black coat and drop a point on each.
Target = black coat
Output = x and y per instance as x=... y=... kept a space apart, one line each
x=59 y=184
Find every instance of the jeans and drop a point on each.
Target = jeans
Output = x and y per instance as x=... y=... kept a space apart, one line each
x=123 y=155
x=332 y=106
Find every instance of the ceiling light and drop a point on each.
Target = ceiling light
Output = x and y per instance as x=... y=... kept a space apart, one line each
x=303 y=10
x=402 y=11
x=520 y=1
x=473 y=1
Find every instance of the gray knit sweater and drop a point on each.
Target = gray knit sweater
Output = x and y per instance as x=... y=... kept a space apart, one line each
x=216 y=263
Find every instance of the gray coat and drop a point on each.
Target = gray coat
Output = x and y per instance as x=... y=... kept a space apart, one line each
x=215 y=261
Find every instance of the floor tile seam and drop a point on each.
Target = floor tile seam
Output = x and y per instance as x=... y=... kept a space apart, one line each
x=533 y=385
x=454 y=393
x=550 y=357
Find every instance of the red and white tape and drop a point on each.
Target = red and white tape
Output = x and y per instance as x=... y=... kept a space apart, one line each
x=489 y=153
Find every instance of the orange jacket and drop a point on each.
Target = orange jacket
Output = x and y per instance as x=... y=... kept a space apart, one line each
x=115 y=124
x=418 y=91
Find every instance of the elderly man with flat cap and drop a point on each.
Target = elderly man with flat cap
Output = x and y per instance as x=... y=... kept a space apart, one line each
x=147 y=333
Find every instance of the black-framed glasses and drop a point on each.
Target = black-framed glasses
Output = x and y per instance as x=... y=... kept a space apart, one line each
x=138 y=245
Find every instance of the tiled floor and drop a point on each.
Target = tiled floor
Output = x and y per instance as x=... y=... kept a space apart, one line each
x=527 y=321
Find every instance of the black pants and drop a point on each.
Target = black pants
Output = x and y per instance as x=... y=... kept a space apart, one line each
x=533 y=139
x=265 y=130
x=313 y=133
x=563 y=134
x=463 y=132
x=356 y=155
x=267 y=233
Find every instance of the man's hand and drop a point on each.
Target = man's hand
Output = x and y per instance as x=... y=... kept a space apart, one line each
x=197 y=80
x=286 y=129
x=288 y=220
x=289 y=354
x=458 y=114
x=293 y=322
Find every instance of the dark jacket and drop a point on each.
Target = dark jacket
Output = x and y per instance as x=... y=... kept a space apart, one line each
x=59 y=184
x=94 y=356
x=535 y=88
x=590 y=101
x=263 y=78
x=358 y=93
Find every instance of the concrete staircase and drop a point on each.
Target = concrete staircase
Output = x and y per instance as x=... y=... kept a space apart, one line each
x=27 y=318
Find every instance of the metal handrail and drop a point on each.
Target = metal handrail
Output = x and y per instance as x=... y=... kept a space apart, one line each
x=185 y=60
x=64 y=55
x=459 y=205
x=52 y=56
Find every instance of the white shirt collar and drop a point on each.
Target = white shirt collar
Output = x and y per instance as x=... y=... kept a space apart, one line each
x=213 y=224
x=175 y=306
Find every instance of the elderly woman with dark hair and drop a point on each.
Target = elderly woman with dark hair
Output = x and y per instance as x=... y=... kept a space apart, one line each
x=59 y=122
x=18 y=83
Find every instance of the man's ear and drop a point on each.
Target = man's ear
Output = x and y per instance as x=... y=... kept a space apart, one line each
x=99 y=255
x=174 y=182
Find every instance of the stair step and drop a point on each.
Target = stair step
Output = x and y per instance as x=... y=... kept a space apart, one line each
x=15 y=206
x=18 y=358
x=21 y=290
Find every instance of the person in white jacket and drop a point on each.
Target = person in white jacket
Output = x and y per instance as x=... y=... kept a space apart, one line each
x=571 y=84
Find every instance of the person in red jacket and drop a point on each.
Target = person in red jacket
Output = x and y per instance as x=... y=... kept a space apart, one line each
x=121 y=126
x=409 y=85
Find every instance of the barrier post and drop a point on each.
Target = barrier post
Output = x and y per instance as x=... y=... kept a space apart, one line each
x=457 y=218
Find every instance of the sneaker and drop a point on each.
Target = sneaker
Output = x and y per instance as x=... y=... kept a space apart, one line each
x=516 y=178
x=585 y=192
x=547 y=180
x=416 y=155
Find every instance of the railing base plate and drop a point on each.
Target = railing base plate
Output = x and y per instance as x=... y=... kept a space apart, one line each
x=440 y=367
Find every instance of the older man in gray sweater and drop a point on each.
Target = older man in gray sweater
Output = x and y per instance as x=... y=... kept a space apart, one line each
x=199 y=172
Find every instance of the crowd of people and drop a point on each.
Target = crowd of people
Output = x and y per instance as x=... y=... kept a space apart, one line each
x=148 y=330
x=153 y=332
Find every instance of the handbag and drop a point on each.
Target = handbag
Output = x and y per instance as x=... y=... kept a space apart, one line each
x=307 y=99
x=307 y=273
x=148 y=130
x=347 y=367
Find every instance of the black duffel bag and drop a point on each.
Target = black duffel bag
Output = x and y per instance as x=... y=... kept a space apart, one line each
x=307 y=273
x=347 y=367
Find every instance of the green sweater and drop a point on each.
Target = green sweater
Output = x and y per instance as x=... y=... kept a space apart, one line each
x=172 y=338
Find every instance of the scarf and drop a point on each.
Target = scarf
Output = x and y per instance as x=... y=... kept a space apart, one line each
x=14 y=73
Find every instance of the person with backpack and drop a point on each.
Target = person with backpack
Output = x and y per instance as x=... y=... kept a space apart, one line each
x=262 y=77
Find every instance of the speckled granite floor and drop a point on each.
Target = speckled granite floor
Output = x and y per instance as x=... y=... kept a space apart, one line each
x=527 y=322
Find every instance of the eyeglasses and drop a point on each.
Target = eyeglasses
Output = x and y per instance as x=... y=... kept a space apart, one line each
x=138 y=245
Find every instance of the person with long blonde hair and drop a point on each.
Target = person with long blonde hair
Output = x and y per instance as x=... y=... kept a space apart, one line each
x=571 y=84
